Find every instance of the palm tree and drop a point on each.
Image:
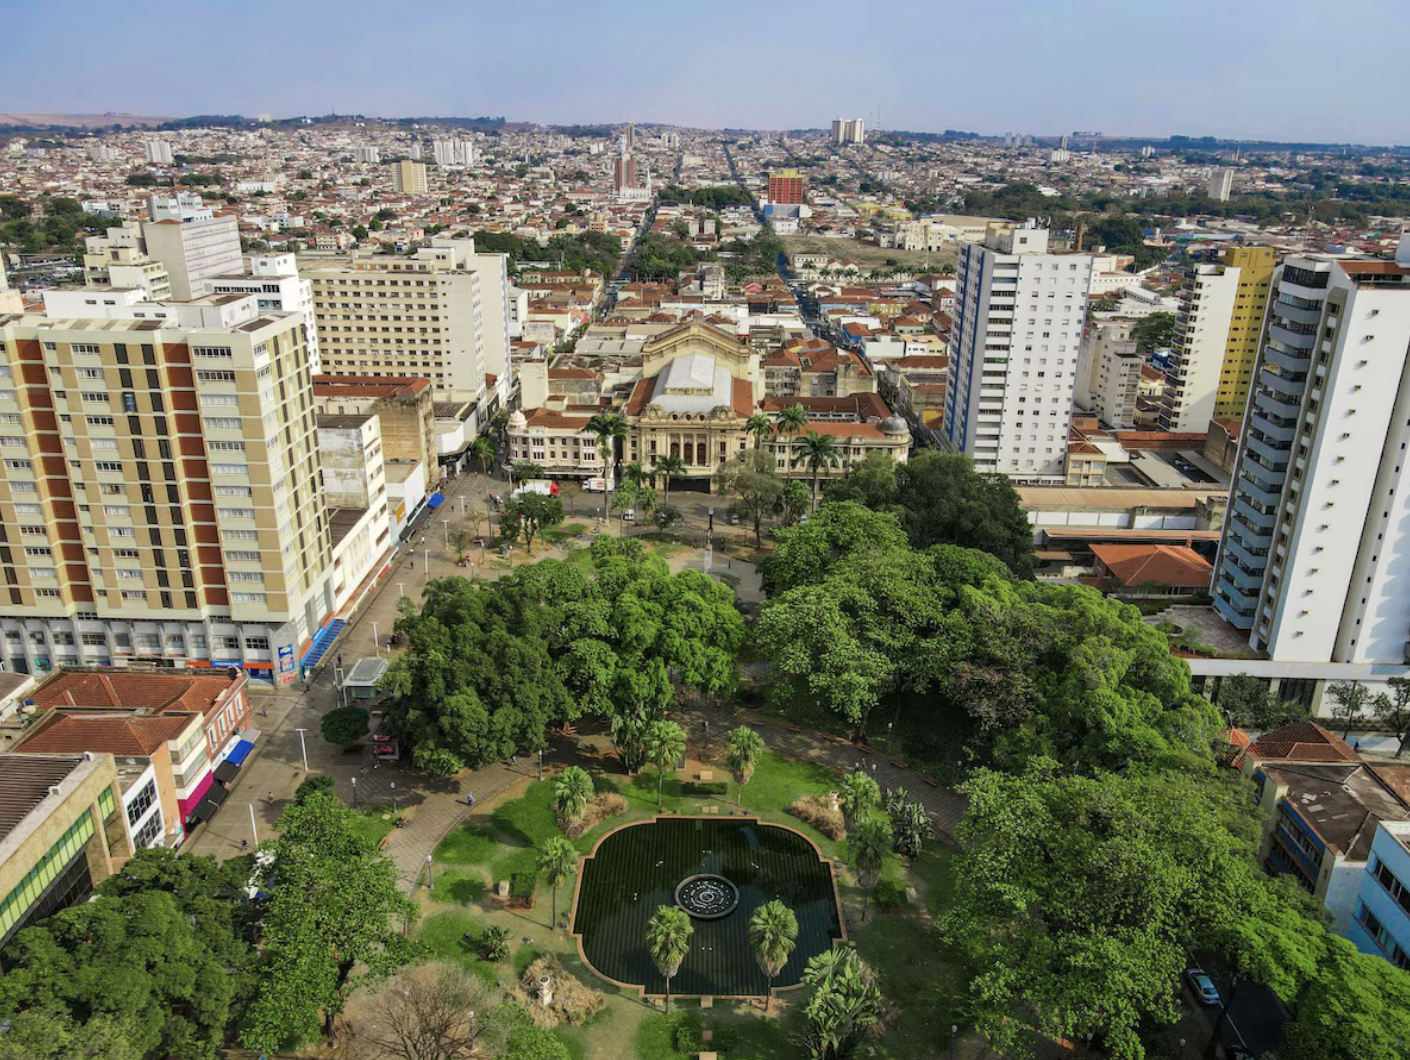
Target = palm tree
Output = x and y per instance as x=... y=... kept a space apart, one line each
x=558 y=860
x=816 y=451
x=868 y=847
x=760 y=426
x=743 y=746
x=773 y=932
x=791 y=420
x=859 y=794
x=666 y=466
x=634 y=474
x=668 y=940
x=483 y=450
x=610 y=429
x=571 y=794
x=665 y=743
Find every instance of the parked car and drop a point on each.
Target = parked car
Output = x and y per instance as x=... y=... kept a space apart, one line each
x=629 y=516
x=733 y=518
x=1202 y=985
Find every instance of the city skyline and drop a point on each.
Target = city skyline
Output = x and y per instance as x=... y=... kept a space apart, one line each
x=1047 y=69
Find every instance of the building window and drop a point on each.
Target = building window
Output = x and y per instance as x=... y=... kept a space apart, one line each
x=138 y=807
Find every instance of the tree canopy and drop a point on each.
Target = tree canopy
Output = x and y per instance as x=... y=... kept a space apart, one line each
x=941 y=500
x=492 y=667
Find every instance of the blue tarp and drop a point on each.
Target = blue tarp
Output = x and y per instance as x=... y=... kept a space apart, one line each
x=435 y=501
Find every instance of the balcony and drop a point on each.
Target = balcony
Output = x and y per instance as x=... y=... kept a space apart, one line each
x=1246 y=578
x=1275 y=457
x=1289 y=386
x=1287 y=362
x=1299 y=314
x=1265 y=493
x=1261 y=421
x=1242 y=554
x=1262 y=523
x=1294 y=339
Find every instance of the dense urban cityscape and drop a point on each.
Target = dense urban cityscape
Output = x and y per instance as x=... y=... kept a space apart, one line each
x=483 y=588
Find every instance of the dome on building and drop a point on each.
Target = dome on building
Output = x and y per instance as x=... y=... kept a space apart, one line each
x=895 y=425
x=517 y=420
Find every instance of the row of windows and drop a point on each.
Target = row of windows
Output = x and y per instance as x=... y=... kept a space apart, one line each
x=28 y=890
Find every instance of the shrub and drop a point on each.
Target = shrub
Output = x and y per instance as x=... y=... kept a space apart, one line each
x=689 y=1038
x=494 y=944
x=344 y=726
x=817 y=811
x=891 y=894
x=522 y=886
x=608 y=804
x=703 y=788
x=573 y=1000
x=316 y=783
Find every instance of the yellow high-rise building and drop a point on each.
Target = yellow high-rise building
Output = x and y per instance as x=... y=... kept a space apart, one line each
x=1255 y=265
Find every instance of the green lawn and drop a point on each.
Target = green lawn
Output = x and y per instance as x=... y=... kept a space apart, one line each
x=443 y=935
x=374 y=822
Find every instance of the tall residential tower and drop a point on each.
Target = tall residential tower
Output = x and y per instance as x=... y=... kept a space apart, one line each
x=1018 y=319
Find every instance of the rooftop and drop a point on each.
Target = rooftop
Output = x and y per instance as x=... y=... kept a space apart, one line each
x=62 y=733
x=138 y=692
x=25 y=781
x=1302 y=741
x=1343 y=802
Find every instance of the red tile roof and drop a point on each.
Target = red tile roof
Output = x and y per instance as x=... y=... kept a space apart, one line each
x=59 y=733
x=1302 y=741
x=152 y=693
x=1173 y=565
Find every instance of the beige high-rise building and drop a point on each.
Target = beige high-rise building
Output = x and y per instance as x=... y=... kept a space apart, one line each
x=120 y=259
x=160 y=497
x=409 y=178
x=192 y=242
x=442 y=315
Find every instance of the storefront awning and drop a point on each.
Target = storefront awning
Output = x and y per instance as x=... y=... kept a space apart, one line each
x=217 y=794
x=226 y=772
x=242 y=748
x=435 y=500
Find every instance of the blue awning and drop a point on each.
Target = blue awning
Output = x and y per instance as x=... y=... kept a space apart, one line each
x=240 y=753
x=435 y=501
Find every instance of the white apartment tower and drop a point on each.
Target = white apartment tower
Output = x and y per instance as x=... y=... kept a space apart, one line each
x=442 y=315
x=191 y=241
x=159 y=153
x=1221 y=183
x=1207 y=300
x=849 y=131
x=367 y=155
x=453 y=154
x=1018 y=320
x=1315 y=554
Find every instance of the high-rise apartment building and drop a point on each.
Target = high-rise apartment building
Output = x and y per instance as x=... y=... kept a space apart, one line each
x=442 y=315
x=1216 y=337
x=275 y=282
x=1315 y=554
x=367 y=155
x=409 y=178
x=1018 y=319
x=453 y=153
x=160 y=499
x=848 y=131
x=1255 y=265
x=623 y=173
x=786 y=187
x=1109 y=373
x=191 y=241
x=1221 y=183
x=159 y=153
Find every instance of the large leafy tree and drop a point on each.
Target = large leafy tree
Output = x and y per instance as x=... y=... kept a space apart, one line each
x=136 y=970
x=491 y=667
x=331 y=924
x=753 y=481
x=940 y=499
x=534 y=512
x=1078 y=898
x=1358 y=1006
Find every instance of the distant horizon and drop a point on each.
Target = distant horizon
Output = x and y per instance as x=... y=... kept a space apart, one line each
x=1246 y=71
x=117 y=116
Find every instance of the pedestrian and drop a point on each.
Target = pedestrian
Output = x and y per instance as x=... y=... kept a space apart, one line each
x=514 y=760
x=270 y=796
x=364 y=774
x=1356 y=744
x=469 y=799
x=244 y=844
x=413 y=564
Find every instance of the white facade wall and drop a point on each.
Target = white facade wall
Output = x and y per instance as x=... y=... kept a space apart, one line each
x=1201 y=338
x=194 y=251
x=1018 y=319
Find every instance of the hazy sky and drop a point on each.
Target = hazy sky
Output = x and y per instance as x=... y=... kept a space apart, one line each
x=1258 y=69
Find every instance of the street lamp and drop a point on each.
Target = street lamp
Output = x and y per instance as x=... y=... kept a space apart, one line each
x=254 y=831
x=540 y=763
x=338 y=684
x=395 y=807
x=430 y=878
x=954 y=1030
x=376 y=641
x=354 y=780
x=426 y=559
x=401 y=589
x=303 y=748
